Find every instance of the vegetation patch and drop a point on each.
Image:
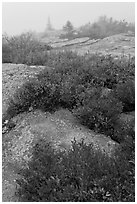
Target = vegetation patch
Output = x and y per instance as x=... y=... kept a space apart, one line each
x=79 y=175
x=125 y=92
x=76 y=83
x=24 y=49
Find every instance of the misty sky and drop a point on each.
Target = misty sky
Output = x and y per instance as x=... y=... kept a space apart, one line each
x=22 y=17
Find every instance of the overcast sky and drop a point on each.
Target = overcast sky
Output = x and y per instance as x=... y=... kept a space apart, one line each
x=21 y=17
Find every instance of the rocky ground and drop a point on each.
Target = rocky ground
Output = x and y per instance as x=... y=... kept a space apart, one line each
x=116 y=45
x=59 y=128
x=13 y=76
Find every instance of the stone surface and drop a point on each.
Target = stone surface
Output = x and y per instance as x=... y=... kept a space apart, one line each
x=115 y=45
x=13 y=76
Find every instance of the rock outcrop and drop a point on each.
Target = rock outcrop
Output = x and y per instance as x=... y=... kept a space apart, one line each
x=59 y=128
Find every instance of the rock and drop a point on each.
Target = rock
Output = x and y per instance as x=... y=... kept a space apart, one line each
x=59 y=128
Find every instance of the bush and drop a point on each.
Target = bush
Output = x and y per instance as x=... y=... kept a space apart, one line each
x=38 y=94
x=6 y=53
x=99 y=113
x=79 y=175
x=23 y=98
x=24 y=49
x=76 y=82
x=125 y=92
x=100 y=70
x=125 y=135
x=109 y=72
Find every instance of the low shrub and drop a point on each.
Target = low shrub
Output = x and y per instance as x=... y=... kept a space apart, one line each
x=99 y=113
x=36 y=94
x=23 y=98
x=79 y=175
x=76 y=83
x=101 y=70
x=124 y=132
x=6 y=53
x=24 y=49
x=125 y=92
x=108 y=72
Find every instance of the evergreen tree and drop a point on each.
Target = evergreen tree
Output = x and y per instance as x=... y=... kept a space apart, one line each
x=68 y=27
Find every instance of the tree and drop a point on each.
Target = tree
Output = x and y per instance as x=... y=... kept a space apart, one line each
x=68 y=27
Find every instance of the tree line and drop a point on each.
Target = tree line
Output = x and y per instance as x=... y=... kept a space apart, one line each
x=103 y=27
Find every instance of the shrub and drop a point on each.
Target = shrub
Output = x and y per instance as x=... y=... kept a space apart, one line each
x=109 y=72
x=81 y=174
x=73 y=79
x=22 y=99
x=124 y=131
x=6 y=53
x=99 y=113
x=76 y=82
x=100 y=70
x=38 y=94
x=125 y=92
x=24 y=49
x=125 y=135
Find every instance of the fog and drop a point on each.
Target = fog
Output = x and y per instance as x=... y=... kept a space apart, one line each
x=22 y=17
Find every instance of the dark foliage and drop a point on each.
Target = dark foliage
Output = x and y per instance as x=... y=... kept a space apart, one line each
x=79 y=175
x=24 y=49
x=125 y=92
x=6 y=53
x=69 y=31
x=99 y=113
x=76 y=83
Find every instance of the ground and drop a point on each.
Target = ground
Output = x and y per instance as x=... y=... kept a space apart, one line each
x=115 y=45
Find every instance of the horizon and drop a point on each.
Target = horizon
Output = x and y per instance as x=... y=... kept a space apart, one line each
x=31 y=16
